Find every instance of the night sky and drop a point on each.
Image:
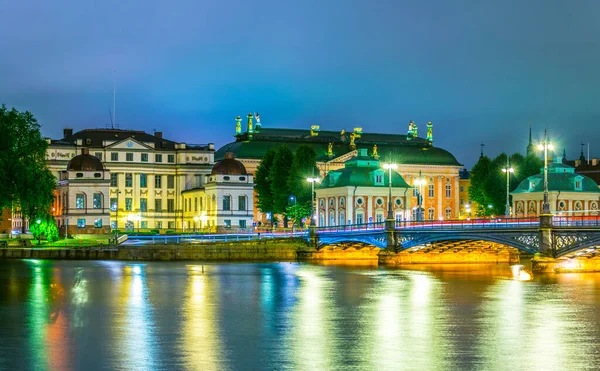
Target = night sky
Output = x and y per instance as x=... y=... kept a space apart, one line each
x=480 y=70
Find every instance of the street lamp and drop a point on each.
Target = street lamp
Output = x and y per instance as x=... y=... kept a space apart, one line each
x=292 y=198
x=389 y=167
x=545 y=146
x=312 y=181
x=507 y=170
x=420 y=181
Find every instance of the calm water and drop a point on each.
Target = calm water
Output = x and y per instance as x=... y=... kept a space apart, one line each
x=170 y=316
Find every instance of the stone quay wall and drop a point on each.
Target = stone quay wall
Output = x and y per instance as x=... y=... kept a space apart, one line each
x=265 y=250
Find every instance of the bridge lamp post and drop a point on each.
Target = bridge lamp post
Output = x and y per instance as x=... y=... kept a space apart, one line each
x=545 y=146
x=390 y=167
x=312 y=181
x=507 y=170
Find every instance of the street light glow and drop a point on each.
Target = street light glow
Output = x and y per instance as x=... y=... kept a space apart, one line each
x=390 y=166
x=313 y=180
x=510 y=170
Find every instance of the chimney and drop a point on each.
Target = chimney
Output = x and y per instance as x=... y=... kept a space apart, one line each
x=85 y=151
x=67 y=132
x=158 y=134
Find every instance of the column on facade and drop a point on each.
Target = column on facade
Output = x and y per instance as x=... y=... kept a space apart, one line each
x=369 y=209
x=441 y=190
x=349 y=207
x=456 y=206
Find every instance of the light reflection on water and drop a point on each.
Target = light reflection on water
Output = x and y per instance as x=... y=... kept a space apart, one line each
x=112 y=315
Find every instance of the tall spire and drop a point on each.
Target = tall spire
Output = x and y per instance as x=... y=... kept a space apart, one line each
x=482 y=145
x=530 y=149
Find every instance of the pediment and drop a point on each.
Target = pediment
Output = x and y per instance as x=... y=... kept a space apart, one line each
x=129 y=143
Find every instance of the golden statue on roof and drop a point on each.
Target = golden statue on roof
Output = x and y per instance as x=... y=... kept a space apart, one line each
x=375 y=154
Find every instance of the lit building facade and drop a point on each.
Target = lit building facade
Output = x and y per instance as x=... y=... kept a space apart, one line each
x=81 y=203
x=417 y=158
x=148 y=173
x=359 y=193
x=224 y=203
x=468 y=208
x=569 y=193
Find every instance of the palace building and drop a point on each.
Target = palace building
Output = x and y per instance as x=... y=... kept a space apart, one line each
x=148 y=175
x=569 y=193
x=417 y=158
x=359 y=193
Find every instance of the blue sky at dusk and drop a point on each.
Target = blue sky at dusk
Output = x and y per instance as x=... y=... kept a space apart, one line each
x=480 y=70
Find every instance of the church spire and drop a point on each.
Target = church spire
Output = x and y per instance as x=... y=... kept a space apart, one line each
x=530 y=149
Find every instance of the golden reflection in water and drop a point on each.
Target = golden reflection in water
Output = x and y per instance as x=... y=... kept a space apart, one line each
x=58 y=338
x=202 y=348
x=134 y=322
x=310 y=335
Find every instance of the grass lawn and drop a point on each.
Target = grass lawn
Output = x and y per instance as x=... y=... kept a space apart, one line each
x=71 y=242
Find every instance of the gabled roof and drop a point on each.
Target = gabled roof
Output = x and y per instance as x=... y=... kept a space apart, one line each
x=97 y=137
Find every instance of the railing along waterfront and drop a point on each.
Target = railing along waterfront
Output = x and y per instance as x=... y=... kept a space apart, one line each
x=351 y=227
x=207 y=238
x=489 y=223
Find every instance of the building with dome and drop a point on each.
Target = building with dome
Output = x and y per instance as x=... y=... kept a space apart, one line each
x=224 y=203
x=569 y=193
x=81 y=204
x=359 y=193
x=148 y=173
x=417 y=158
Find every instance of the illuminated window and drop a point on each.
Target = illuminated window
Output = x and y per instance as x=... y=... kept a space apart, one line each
x=143 y=204
x=80 y=223
x=113 y=204
x=430 y=213
x=80 y=201
x=129 y=156
x=430 y=190
x=98 y=223
x=128 y=180
x=144 y=157
x=97 y=201
x=114 y=179
x=158 y=181
x=242 y=224
x=143 y=180
x=448 y=213
x=128 y=204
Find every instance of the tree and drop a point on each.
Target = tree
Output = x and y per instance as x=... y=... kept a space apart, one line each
x=495 y=186
x=262 y=182
x=44 y=226
x=303 y=166
x=278 y=177
x=25 y=181
x=298 y=211
x=477 y=193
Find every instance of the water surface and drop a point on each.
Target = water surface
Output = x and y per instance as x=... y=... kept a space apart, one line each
x=99 y=315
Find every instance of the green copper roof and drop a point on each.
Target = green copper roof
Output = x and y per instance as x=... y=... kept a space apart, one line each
x=560 y=178
x=415 y=151
x=362 y=171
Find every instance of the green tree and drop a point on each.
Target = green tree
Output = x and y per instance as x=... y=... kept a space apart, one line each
x=25 y=181
x=44 y=226
x=495 y=186
x=303 y=166
x=477 y=193
x=278 y=177
x=297 y=212
x=262 y=183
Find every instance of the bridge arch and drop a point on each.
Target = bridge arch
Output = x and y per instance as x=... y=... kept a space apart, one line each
x=526 y=242
x=566 y=244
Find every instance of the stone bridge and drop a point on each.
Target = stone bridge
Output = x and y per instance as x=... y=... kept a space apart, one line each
x=552 y=236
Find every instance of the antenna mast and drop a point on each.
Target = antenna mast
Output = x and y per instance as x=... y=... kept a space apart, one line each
x=114 y=112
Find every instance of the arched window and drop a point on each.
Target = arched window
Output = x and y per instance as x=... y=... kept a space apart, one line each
x=448 y=213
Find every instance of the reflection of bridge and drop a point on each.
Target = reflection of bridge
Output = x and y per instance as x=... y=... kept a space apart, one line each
x=554 y=236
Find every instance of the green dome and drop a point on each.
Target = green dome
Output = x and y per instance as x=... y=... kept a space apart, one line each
x=403 y=151
x=560 y=178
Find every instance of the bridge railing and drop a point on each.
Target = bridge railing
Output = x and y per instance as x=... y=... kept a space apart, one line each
x=207 y=238
x=351 y=227
x=490 y=223
x=576 y=221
